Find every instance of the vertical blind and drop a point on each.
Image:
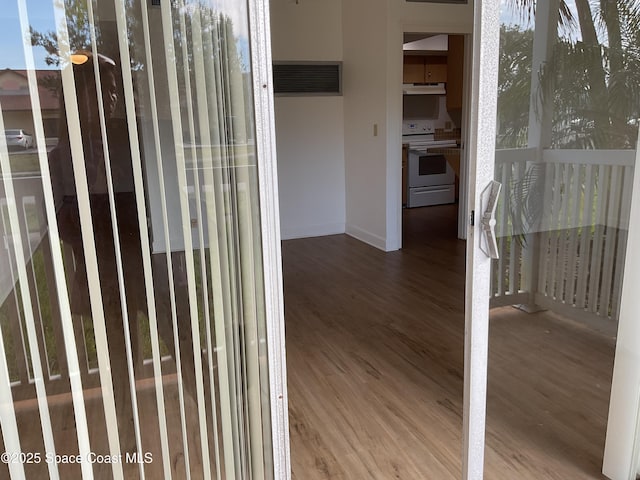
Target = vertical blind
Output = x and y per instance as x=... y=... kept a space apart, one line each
x=131 y=295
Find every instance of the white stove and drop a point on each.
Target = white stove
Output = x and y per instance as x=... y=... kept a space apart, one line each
x=424 y=142
x=431 y=180
x=418 y=127
x=419 y=135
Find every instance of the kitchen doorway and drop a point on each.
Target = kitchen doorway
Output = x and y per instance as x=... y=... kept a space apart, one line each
x=434 y=125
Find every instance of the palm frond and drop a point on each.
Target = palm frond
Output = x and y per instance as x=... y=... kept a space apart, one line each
x=526 y=202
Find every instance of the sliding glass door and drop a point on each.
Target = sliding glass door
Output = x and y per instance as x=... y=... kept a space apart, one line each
x=555 y=193
x=139 y=270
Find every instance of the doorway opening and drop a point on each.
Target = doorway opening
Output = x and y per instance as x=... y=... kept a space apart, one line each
x=433 y=129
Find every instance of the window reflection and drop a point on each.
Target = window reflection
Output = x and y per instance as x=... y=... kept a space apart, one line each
x=562 y=224
x=150 y=156
x=590 y=79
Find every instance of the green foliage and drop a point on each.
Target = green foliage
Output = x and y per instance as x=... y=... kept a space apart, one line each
x=591 y=81
x=514 y=85
x=582 y=119
x=12 y=310
x=7 y=314
x=525 y=202
x=525 y=11
x=78 y=29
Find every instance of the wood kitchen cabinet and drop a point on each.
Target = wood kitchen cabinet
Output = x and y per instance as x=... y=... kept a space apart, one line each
x=435 y=70
x=424 y=69
x=413 y=69
x=455 y=70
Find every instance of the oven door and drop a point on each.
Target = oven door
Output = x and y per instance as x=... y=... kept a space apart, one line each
x=429 y=169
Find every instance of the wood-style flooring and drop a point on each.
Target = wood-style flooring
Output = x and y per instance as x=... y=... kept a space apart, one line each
x=375 y=367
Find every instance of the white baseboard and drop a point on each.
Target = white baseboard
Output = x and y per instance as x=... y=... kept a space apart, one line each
x=367 y=237
x=312 y=231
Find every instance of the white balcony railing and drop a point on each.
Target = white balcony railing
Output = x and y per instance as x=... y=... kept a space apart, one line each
x=569 y=261
x=569 y=257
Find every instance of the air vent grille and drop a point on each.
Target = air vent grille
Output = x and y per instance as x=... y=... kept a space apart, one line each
x=307 y=78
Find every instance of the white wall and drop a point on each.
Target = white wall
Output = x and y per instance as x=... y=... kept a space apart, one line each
x=309 y=130
x=373 y=95
x=367 y=36
x=310 y=147
x=365 y=110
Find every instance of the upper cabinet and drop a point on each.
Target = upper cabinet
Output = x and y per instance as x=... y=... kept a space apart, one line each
x=424 y=69
x=413 y=69
x=455 y=70
x=446 y=67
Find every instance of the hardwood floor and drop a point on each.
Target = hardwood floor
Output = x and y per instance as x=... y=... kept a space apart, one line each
x=375 y=365
x=375 y=375
x=64 y=430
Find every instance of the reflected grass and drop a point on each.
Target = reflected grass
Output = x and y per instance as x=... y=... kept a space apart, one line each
x=24 y=162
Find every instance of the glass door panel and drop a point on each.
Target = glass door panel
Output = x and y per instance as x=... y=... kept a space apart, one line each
x=132 y=298
x=565 y=155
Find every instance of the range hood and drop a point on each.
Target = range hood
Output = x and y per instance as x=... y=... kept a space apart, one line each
x=424 y=89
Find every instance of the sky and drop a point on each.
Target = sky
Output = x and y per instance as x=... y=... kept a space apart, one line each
x=41 y=18
x=508 y=17
x=40 y=14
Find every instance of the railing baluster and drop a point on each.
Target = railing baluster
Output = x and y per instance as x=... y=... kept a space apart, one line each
x=545 y=240
x=563 y=226
x=28 y=203
x=515 y=258
x=56 y=323
x=573 y=225
x=612 y=223
x=556 y=207
x=595 y=267
x=585 y=237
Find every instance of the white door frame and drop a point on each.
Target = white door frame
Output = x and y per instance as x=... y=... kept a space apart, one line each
x=260 y=41
x=481 y=154
x=465 y=158
x=622 y=447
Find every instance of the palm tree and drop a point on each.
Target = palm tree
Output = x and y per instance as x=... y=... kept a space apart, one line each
x=592 y=77
x=514 y=85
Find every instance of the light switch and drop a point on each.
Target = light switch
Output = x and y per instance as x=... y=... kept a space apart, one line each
x=375 y=129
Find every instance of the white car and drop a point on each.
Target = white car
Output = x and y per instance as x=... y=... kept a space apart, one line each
x=18 y=138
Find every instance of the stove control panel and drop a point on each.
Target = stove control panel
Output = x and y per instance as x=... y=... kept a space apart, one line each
x=418 y=127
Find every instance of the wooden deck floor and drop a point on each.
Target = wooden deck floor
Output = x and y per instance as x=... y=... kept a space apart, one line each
x=375 y=359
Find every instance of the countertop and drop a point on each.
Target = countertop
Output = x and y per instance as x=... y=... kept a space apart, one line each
x=445 y=150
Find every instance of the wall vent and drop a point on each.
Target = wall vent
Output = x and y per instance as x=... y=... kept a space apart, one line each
x=307 y=78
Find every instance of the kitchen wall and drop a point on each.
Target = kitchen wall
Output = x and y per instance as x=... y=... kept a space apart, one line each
x=373 y=59
x=427 y=107
x=365 y=81
x=309 y=130
x=367 y=36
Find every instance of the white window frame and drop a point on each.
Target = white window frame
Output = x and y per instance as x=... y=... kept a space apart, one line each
x=260 y=43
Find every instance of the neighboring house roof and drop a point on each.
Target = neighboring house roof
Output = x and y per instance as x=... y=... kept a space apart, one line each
x=14 y=89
